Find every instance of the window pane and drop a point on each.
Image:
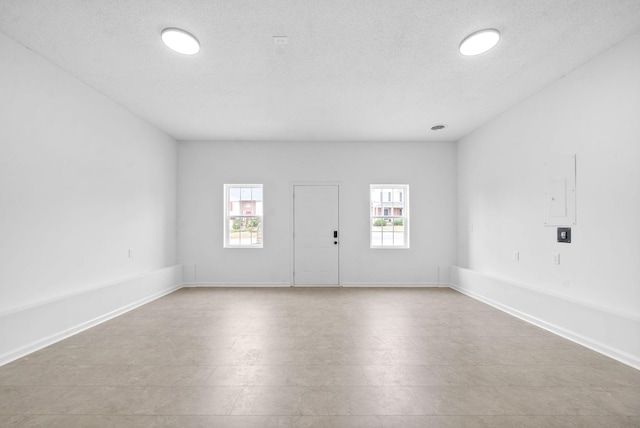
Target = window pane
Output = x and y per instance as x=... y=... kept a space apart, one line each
x=398 y=233
x=386 y=195
x=255 y=228
x=389 y=225
x=376 y=238
x=251 y=231
x=245 y=193
x=235 y=230
x=234 y=194
x=234 y=207
x=245 y=230
x=378 y=224
x=397 y=195
x=256 y=194
x=244 y=216
x=248 y=207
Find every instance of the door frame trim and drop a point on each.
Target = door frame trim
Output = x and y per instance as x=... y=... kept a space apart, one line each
x=292 y=260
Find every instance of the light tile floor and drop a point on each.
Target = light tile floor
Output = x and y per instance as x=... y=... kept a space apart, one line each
x=314 y=357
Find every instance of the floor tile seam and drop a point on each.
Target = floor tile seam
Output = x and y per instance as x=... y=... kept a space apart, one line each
x=319 y=385
x=248 y=385
x=129 y=365
x=262 y=364
x=534 y=387
x=148 y=348
x=362 y=372
x=185 y=415
x=512 y=416
x=316 y=387
x=535 y=365
x=206 y=366
x=319 y=349
x=320 y=415
x=141 y=415
x=373 y=384
x=111 y=335
x=215 y=369
x=86 y=414
x=516 y=415
x=506 y=365
x=88 y=365
x=418 y=400
x=167 y=387
x=193 y=386
x=469 y=386
x=235 y=402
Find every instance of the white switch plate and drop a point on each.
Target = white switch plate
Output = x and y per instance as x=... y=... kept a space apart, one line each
x=130 y=252
x=556 y=258
x=516 y=255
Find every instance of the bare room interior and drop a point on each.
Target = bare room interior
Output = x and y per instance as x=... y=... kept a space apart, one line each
x=320 y=214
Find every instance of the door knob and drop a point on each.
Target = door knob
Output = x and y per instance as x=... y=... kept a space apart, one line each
x=335 y=242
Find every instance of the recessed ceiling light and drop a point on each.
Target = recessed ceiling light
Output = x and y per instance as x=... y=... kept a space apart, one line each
x=479 y=42
x=180 y=41
x=438 y=127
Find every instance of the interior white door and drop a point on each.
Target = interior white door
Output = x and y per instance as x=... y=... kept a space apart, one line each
x=316 y=235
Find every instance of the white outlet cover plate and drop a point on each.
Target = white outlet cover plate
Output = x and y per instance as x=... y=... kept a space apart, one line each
x=280 y=40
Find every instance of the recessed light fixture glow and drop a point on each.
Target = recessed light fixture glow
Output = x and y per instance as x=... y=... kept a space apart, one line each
x=180 y=41
x=479 y=42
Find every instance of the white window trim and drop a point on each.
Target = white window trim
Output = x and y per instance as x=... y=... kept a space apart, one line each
x=404 y=216
x=226 y=216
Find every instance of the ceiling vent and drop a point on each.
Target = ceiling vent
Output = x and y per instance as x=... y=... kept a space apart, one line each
x=180 y=41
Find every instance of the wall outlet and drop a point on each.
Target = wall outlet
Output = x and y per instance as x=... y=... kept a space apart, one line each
x=516 y=255
x=564 y=234
x=556 y=258
x=280 y=40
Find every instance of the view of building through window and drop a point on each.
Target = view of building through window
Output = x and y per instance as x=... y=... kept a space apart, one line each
x=243 y=215
x=389 y=216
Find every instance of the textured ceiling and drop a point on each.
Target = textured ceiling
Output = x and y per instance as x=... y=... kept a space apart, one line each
x=352 y=69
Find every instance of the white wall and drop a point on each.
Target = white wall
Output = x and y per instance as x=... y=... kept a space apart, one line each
x=81 y=181
x=593 y=112
x=429 y=169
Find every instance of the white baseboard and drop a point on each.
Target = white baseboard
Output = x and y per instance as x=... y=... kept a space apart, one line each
x=604 y=330
x=394 y=284
x=30 y=328
x=287 y=284
x=236 y=284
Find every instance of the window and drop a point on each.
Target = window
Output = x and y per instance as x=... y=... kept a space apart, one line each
x=389 y=216
x=243 y=215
